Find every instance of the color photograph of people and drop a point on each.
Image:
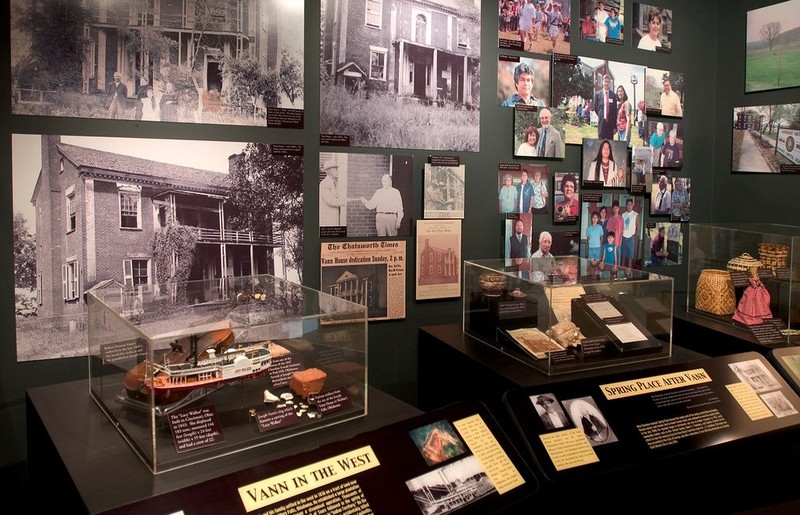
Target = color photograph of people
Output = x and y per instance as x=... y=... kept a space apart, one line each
x=611 y=230
x=665 y=244
x=663 y=93
x=665 y=140
x=537 y=133
x=517 y=239
x=524 y=191
x=600 y=98
x=605 y=163
x=524 y=81
x=661 y=196
x=681 y=199
x=566 y=206
x=602 y=21
x=652 y=28
x=538 y=26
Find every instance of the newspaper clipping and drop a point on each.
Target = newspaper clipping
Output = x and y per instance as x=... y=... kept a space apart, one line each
x=370 y=273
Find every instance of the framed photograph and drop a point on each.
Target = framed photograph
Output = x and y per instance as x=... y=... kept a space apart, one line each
x=586 y=416
x=562 y=243
x=661 y=195
x=607 y=98
x=116 y=60
x=517 y=236
x=566 y=207
x=550 y=412
x=681 y=199
x=364 y=71
x=641 y=169
x=769 y=48
x=125 y=207
x=762 y=141
x=370 y=273
x=619 y=214
x=652 y=28
x=375 y=188
x=523 y=188
x=438 y=259
x=605 y=163
x=663 y=93
x=602 y=21
x=444 y=191
x=537 y=133
x=533 y=26
x=523 y=80
x=665 y=141
x=665 y=243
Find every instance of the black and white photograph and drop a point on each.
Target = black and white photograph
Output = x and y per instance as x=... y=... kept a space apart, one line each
x=652 y=28
x=523 y=81
x=365 y=195
x=665 y=243
x=754 y=373
x=603 y=21
x=566 y=206
x=535 y=134
x=534 y=26
x=550 y=412
x=196 y=61
x=362 y=284
x=598 y=98
x=421 y=94
x=772 y=46
x=665 y=141
x=451 y=487
x=96 y=212
x=605 y=163
x=765 y=139
x=664 y=93
x=779 y=404
x=443 y=196
x=438 y=273
x=585 y=415
x=438 y=442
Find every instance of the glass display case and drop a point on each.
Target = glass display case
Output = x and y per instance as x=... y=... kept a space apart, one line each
x=566 y=314
x=191 y=371
x=746 y=275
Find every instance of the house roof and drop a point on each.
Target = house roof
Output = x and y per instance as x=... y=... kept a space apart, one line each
x=118 y=166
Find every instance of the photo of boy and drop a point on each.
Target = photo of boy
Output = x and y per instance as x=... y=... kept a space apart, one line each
x=610 y=250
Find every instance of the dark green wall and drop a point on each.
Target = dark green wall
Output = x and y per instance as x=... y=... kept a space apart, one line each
x=393 y=344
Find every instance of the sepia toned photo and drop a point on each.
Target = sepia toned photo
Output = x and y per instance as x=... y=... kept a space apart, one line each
x=421 y=94
x=772 y=42
x=598 y=99
x=136 y=213
x=438 y=259
x=652 y=28
x=196 y=61
x=443 y=196
x=359 y=188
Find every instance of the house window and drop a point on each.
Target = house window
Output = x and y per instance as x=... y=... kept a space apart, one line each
x=463 y=35
x=374 y=13
x=70 y=273
x=129 y=210
x=377 y=63
x=421 y=28
x=72 y=222
x=136 y=272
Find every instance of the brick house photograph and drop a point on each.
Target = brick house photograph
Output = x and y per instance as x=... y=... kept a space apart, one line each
x=203 y=61
x=93 y=213
x=411 y=67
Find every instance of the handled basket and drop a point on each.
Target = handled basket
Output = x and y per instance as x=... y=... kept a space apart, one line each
x=715 y=293
x=744 y=263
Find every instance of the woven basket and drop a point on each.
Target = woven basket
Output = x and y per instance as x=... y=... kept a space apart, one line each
x=744 y=263
x=715 y=293
x=773 y=255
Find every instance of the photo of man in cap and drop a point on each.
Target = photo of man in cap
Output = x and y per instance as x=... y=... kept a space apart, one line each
x=550 y=412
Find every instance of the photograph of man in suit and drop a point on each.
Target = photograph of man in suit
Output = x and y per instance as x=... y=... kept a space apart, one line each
x=605 y=106
x=519 y=245
x=552 y=418
x=550 y=142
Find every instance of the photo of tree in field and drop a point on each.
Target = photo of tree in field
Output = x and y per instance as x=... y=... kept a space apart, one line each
x=138 y=214
x=773 y=47
x=231 y=62
x=401 y=74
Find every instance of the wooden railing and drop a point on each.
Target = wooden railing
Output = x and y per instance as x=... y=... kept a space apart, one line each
x=230 y=236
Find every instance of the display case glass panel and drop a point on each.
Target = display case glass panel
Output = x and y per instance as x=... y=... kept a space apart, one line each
x=745 y=275
x=566 y=314
x=191 y=371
